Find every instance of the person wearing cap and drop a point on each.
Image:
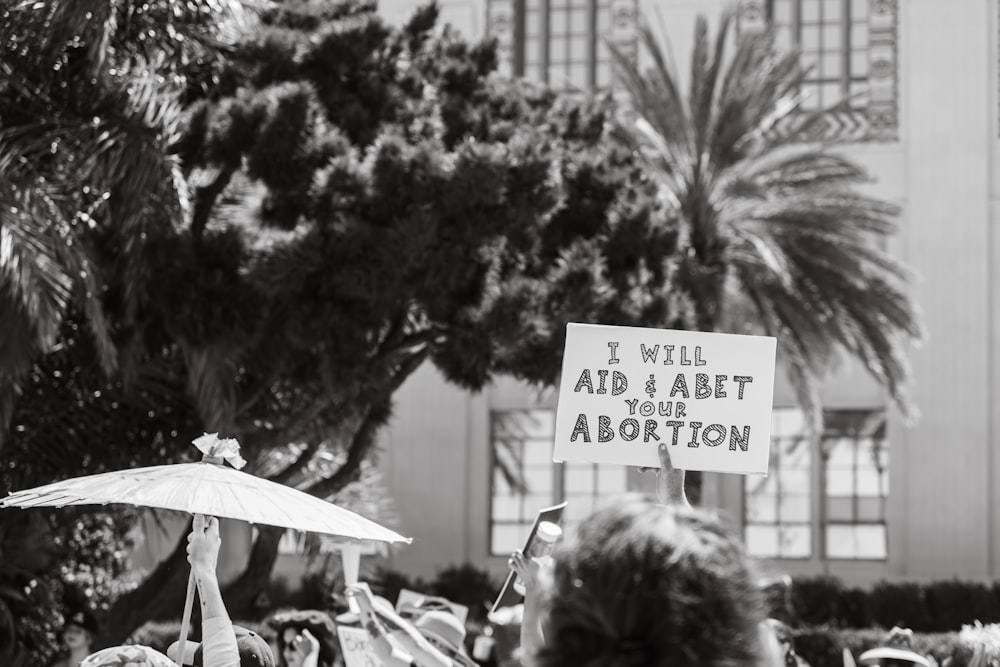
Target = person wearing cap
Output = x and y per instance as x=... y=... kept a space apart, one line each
x=223 y=645
x=79 y=634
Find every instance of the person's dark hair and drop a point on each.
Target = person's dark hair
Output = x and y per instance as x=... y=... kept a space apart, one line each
x=645 y=585
x=318 y=623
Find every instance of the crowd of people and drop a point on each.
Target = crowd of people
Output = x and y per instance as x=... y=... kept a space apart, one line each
x=639 y=583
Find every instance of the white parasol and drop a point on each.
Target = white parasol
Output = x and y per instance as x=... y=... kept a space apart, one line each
x=207 y=488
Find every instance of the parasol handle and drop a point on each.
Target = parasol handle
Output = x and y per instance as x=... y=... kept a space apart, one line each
x=199 y=523
x=186 y=620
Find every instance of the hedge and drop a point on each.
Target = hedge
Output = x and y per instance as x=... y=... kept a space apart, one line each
x=940 y=606
x=823 y=646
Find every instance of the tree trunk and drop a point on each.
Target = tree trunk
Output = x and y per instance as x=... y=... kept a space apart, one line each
x=241 y=595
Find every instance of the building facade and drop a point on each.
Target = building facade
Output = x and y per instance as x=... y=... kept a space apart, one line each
x=872 y=499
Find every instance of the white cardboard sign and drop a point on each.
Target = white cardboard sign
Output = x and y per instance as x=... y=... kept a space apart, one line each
x=624 y=390
x=356 y=645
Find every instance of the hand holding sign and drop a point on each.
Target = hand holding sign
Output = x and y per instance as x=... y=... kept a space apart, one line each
x=669 y=480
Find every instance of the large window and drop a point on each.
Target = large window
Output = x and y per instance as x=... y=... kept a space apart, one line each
x=833 y=38
x=525 y=479
x=856 y=484
x=563 y=42
x=783 y=518
x=778 y=507
x=850 y=48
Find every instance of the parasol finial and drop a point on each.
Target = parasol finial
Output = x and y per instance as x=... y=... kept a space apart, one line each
x=216 y=450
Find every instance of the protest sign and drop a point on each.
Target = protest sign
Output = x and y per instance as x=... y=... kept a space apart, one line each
x=410 y=603
x=356 y=646
x=624 y=390
x=508 y=597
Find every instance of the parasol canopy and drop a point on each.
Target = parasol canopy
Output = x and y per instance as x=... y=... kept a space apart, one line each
x=210 y=488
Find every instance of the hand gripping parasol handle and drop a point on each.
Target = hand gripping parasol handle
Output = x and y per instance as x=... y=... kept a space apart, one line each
x=199 y=524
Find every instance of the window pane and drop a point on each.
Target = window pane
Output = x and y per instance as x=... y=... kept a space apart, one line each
x=868 y=482
x=538 y=480
x=578 y=22
x=809 y=10
x=871 y=541
x=531 y=26
x=603 y=19
x=558 y=49
x=500 y=482
x=782 y=12
x=839 y=482
x=612 y=480
x=840 y=541
x=856 y=486
x=577 y=75
x=831 y=93
x=506 y=539
x=538 y=452
x=794 y=509
x=795 y=541
x=832 y=11
x=810 y=36
x=859 y=9
x=762 y=541
x=840 y=509
x=506 y=508
x=831 y=66
x=795 y=481
x=778 y=508
x=870 y=509
x=810 y=61
x=832 y=34
x=579 y=480
x=762 y=509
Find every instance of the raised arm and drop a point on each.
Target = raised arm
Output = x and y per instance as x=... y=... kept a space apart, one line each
x=532 y=639
x=219 y=641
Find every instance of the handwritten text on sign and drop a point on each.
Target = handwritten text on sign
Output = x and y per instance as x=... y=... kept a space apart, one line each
x=357 y=648
x=624 y=390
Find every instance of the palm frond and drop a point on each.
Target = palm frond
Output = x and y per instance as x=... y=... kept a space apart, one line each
x=771 y=223
x=30 y=271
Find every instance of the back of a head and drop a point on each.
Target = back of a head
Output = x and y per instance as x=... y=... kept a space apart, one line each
x=644 y=585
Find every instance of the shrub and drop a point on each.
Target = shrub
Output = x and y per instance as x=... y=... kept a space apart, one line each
x=941 y=606
x=815 y=600
x=952 y=604
x=902 y=604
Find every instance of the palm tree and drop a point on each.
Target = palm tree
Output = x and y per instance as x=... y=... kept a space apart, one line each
x=90 y=108
x=775 y=237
